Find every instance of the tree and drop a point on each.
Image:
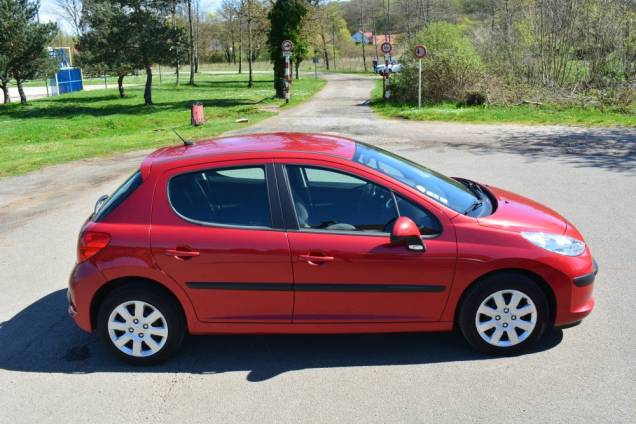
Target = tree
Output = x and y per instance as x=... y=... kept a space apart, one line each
x=23 y=43
x=286 y=18
x=451 y=68
x=71 y=12
x=148 y=33
x=107 y=45
x=190 y=41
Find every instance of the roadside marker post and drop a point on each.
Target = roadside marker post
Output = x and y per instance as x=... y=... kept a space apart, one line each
x=315 y=60
x=419 y=52
x=287 y=47
x=386 y=49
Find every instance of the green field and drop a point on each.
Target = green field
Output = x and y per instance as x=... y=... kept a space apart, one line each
x=490 y=114
x=94 y=123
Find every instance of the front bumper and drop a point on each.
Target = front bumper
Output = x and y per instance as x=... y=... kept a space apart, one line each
x=581 y=301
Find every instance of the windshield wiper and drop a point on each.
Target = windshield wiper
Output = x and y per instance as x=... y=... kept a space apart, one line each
x=476 y=205
x=474 y=187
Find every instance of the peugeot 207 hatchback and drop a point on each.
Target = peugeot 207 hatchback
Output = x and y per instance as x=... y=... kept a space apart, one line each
x=306 y=233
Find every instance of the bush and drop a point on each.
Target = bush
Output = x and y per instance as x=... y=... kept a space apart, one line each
x=474 y=98
x=451 y=68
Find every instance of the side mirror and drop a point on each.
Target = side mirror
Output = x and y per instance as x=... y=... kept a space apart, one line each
x=406 y=233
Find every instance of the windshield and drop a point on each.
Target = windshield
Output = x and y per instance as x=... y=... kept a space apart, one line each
x=438 y=187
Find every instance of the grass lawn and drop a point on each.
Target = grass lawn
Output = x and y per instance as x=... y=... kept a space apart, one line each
x=522 y=114
x=94 y=123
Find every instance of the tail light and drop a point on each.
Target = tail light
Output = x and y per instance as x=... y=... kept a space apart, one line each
x=90 y=243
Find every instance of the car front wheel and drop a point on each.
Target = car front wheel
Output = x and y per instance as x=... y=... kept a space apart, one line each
x=141 y=326
x=504 y=314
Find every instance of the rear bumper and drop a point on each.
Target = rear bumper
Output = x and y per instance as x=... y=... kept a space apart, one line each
x=84 y=281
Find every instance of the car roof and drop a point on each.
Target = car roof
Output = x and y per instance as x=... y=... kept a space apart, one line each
x=265 y=142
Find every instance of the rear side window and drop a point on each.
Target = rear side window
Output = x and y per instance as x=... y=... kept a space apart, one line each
x=230 y=196
x=118 y=197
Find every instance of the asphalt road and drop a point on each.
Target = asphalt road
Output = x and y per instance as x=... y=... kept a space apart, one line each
x=52 y=372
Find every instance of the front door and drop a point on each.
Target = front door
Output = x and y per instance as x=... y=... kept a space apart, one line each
x=345 y=269
x=215 y=231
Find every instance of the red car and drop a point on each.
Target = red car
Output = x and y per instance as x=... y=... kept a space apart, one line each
x=307 y=233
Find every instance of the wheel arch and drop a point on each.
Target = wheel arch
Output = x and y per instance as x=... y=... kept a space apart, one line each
x=540 y=282
x=137 y=281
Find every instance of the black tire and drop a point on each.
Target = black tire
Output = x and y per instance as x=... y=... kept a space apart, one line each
x=164 y=303
x=489 y=286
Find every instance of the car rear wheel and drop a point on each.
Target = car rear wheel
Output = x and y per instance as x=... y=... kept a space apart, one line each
x=140 y=325
x=504 y=314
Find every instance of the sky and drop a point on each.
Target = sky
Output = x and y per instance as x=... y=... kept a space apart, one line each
x=49 y=11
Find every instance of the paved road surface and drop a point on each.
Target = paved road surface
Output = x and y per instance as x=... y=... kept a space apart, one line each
x=52 y=372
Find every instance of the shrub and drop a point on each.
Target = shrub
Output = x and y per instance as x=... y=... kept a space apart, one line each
x=474 y=98
x=451 y=68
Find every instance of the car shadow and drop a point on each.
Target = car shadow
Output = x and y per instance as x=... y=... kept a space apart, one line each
x=42 y=338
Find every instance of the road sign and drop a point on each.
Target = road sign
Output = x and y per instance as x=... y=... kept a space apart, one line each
x=386 y=47
x=287 y=54
x=420 y=51
x=316 y=60
x=287 y=46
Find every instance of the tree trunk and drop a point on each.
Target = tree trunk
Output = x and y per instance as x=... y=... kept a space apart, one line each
x=174 y=26
x=5 y=92
x=191 y=42
x=120 y=85
x=240 y=70
x=148 y=89
x=23 y=99
x=279 y=77
x=196 y=37
x=250 y=81
x=296 y=66
x=324 y=49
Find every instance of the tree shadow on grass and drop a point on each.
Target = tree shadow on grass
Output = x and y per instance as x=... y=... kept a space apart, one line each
x=42 y=338
x=613 y=149
x=70 y=110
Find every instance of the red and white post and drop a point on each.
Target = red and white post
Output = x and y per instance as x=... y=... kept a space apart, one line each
x=386 y=90
x=287 y=46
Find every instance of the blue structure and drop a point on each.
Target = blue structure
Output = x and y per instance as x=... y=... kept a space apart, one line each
x=67 y=79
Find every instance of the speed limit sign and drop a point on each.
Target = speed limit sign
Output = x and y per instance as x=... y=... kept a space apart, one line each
x=420 y=51
x=386 y=47
x=287 y=46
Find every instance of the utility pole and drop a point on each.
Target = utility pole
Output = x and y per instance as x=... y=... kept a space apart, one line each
x=364 y=56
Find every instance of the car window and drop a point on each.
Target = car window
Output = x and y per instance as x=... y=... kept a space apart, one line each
x=428 y=224
x=232 y=196
x=117 y=198
x=335 y=201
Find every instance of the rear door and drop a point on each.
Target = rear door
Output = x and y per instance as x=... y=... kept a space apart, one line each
x=217 y=230
x=345 y=269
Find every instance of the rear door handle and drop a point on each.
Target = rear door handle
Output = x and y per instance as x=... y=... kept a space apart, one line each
x=316 y=258
x=182 y=254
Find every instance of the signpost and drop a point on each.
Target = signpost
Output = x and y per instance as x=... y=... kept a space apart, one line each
x=386 y=49
x=315 y=60
x=419 y=52
x=287 y=47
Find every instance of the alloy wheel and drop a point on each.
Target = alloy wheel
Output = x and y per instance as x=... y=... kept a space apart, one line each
x=137 y=328
x=506 y=318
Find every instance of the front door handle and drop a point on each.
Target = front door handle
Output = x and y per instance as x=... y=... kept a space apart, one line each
x=182 y=254
x=316 y=259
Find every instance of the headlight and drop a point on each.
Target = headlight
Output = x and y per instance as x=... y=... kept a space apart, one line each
x=563 y=245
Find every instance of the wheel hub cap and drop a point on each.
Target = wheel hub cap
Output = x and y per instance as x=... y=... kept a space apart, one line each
x=506 y=318
x=137 y=328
